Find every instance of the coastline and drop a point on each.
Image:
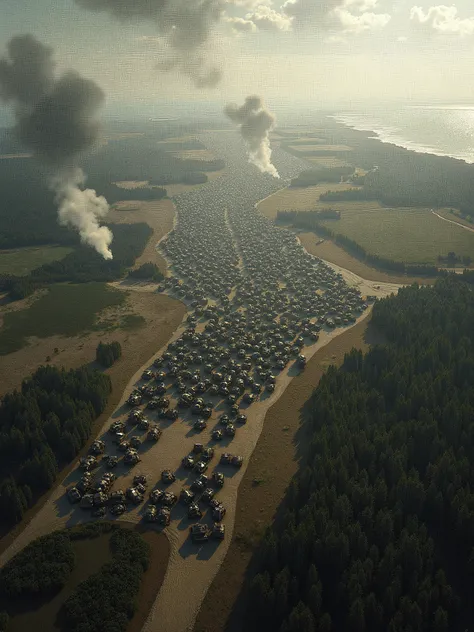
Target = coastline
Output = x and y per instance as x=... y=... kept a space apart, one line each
x=389 y=136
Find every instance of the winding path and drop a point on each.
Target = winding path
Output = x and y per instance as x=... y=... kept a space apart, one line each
x=450 y=221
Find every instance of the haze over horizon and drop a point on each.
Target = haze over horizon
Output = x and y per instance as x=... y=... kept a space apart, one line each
x=300 y=50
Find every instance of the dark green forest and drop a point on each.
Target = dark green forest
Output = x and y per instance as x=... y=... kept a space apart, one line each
x=44 y=425
x=28 y=214
x=377 y=532
x=41 y=568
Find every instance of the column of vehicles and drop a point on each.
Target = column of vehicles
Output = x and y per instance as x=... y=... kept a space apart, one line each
x=255 y=298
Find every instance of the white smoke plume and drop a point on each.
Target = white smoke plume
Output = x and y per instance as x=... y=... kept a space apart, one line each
x=56 y=118
x=255 y=123
x=82 y=209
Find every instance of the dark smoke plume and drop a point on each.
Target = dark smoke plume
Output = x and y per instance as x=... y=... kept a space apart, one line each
x=186 y=25
x=56 y=119
x=255 y=123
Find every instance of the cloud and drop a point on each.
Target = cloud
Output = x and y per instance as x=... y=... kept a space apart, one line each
x=360 y=5
x=186 y=26
x=267 y=19
x=249 y=4
x=356 y=24
x=240 y=25
x=309 y=13
x=443 y=19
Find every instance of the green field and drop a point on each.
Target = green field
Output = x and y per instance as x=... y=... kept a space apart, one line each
x=23 y=260
x=409 y=235
x=65 y=310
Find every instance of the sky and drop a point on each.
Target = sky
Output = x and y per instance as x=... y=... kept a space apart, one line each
x=332 y=53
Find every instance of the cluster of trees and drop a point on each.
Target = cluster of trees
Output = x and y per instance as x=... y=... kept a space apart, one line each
x=44 y=425
x=107 y=354
x=147 y=270
x=309 y=221
x=106 y=601
x=315 y=176
x=357 y=195
x=42 y=568
x=85 y=264
x=377 y=530
x=113 y=193
x=451 y=259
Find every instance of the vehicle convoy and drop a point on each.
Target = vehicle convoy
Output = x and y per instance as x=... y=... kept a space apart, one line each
x=255 y=299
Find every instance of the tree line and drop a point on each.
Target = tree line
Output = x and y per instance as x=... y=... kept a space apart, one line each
x=310 y=220
x=352 y=195
x=376 y=532
x=43 y=427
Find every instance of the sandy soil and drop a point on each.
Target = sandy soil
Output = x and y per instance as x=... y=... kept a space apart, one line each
x=159 y=215
x=263 y=486
x=153 y=578
x=161 y=313
x=332 y=253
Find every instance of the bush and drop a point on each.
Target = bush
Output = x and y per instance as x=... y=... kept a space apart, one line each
x=147 y=271
x=43 y=567
x=107 y=353
x=4 y=619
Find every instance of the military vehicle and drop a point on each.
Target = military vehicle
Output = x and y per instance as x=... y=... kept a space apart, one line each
x=200 y=532
x=167 y=476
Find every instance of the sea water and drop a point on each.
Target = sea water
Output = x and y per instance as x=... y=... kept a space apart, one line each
x=442 y=130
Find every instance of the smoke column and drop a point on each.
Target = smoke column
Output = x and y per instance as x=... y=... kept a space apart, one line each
x=56 y=119
x=255 y=123
x=185 y=26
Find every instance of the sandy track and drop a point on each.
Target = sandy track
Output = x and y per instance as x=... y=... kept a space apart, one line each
x=191 y=568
